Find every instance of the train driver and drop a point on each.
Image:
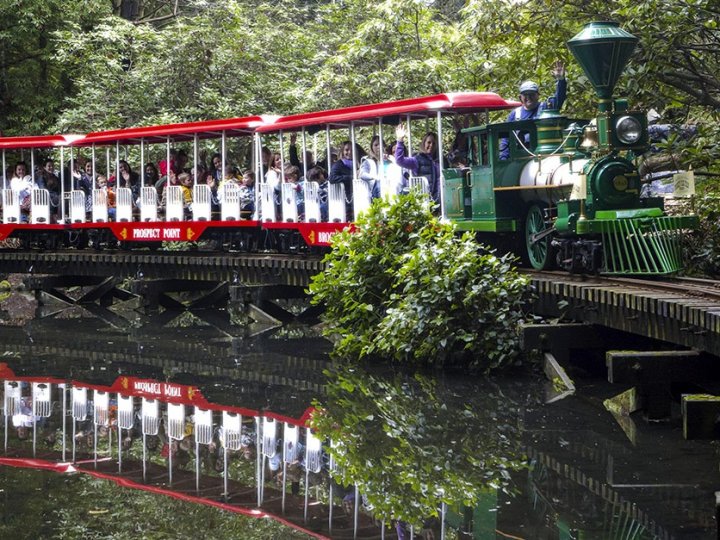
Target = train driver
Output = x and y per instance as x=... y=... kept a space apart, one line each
x=531 y=106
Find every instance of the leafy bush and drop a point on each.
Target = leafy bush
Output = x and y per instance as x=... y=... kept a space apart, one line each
x=404 y=286
x=703 y=247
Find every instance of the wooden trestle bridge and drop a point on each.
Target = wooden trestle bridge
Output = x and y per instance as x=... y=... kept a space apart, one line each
x=681 y=313
x=671 y=327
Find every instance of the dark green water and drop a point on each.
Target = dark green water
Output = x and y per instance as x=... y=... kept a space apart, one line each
x=508 y=464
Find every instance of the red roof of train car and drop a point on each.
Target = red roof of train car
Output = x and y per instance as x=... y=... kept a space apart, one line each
x=39 y=141
x=464 y=102
x=178 y=132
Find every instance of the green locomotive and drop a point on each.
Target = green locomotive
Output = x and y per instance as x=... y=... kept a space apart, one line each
x=569 y=191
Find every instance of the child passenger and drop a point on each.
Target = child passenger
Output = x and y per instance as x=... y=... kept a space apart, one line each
x=186 y=183
x=247 y=192
x=102 y=183
x=292 y=176
x=317 y=174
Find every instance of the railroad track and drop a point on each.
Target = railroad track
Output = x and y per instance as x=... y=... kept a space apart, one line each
x=683 y=286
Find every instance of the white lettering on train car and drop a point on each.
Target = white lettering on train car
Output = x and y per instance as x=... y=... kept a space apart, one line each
x=158 y=389
x=146 y=234
x=148 y=387
x=171 y=234
x=325 y=237
x=171 y=390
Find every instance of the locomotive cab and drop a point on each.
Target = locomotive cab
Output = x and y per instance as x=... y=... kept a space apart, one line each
x=473 y=195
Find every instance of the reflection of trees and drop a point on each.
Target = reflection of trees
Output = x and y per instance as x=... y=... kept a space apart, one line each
x=409 y=444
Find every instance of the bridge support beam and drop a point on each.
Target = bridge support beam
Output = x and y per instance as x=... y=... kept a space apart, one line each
x=653 y=373
x=102 y=290
x=701 y=416
x=560 y=338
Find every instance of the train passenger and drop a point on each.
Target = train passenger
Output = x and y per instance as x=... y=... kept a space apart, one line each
x=317 y=174
x=39 y=177
x=102 y=183
x=292 y=176
x=396 y=175
x=424 y=163
x=216 y=169
x=22 y=183
x=168 y=179
x=532 y=106
x=178 y=160
x=172 y=180
x=273 y=176
x=86 y=183
x=49 y=172
x=186 y=182
x=247 y=192
x=214 y=196
x=75 y=173
x=163 y=164
x=323 y=163
x=267 y=159
x=52 y=184
x=293 y=154
x=342 y=173
x=151 y=174
x=371 y=167
x=128 y=178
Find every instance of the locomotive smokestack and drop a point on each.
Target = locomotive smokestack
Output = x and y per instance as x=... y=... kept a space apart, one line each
x=602 y=49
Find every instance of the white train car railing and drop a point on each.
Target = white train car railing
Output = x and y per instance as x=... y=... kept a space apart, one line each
x=289 y=202
x=419 y=184
x=11 y=206
x=174 y=203
x=229 y=201
x=312 y=202
x=39 y=206
x=99 y=206
x=361 y=197
x=148 y=204
x=202 y=203
x=267 y=202
x=77 y=206
x=336 y=203
x=124 y=205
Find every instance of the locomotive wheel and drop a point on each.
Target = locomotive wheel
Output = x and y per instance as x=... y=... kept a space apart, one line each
x=540 y=253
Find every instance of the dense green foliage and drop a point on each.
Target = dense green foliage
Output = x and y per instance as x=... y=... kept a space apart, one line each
x=409 y=444
x=404 y=286
x=80 y=66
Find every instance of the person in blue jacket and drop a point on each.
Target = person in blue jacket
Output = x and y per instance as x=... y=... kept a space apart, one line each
x=531 y=106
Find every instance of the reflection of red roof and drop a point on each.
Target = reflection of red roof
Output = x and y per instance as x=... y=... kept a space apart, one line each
x=178 y=132
x=39 y=141
x=463 y=102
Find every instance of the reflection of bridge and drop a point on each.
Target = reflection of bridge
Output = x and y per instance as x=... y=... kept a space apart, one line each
x=607 y=487
x=253 y=365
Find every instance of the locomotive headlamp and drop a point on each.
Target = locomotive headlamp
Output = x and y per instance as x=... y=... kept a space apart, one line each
x=628 y=129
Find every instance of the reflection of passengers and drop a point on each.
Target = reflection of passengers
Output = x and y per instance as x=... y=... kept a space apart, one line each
x=532 y=106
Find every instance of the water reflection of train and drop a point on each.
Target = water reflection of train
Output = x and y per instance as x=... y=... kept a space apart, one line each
x=567 y=195
x=161 y=436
